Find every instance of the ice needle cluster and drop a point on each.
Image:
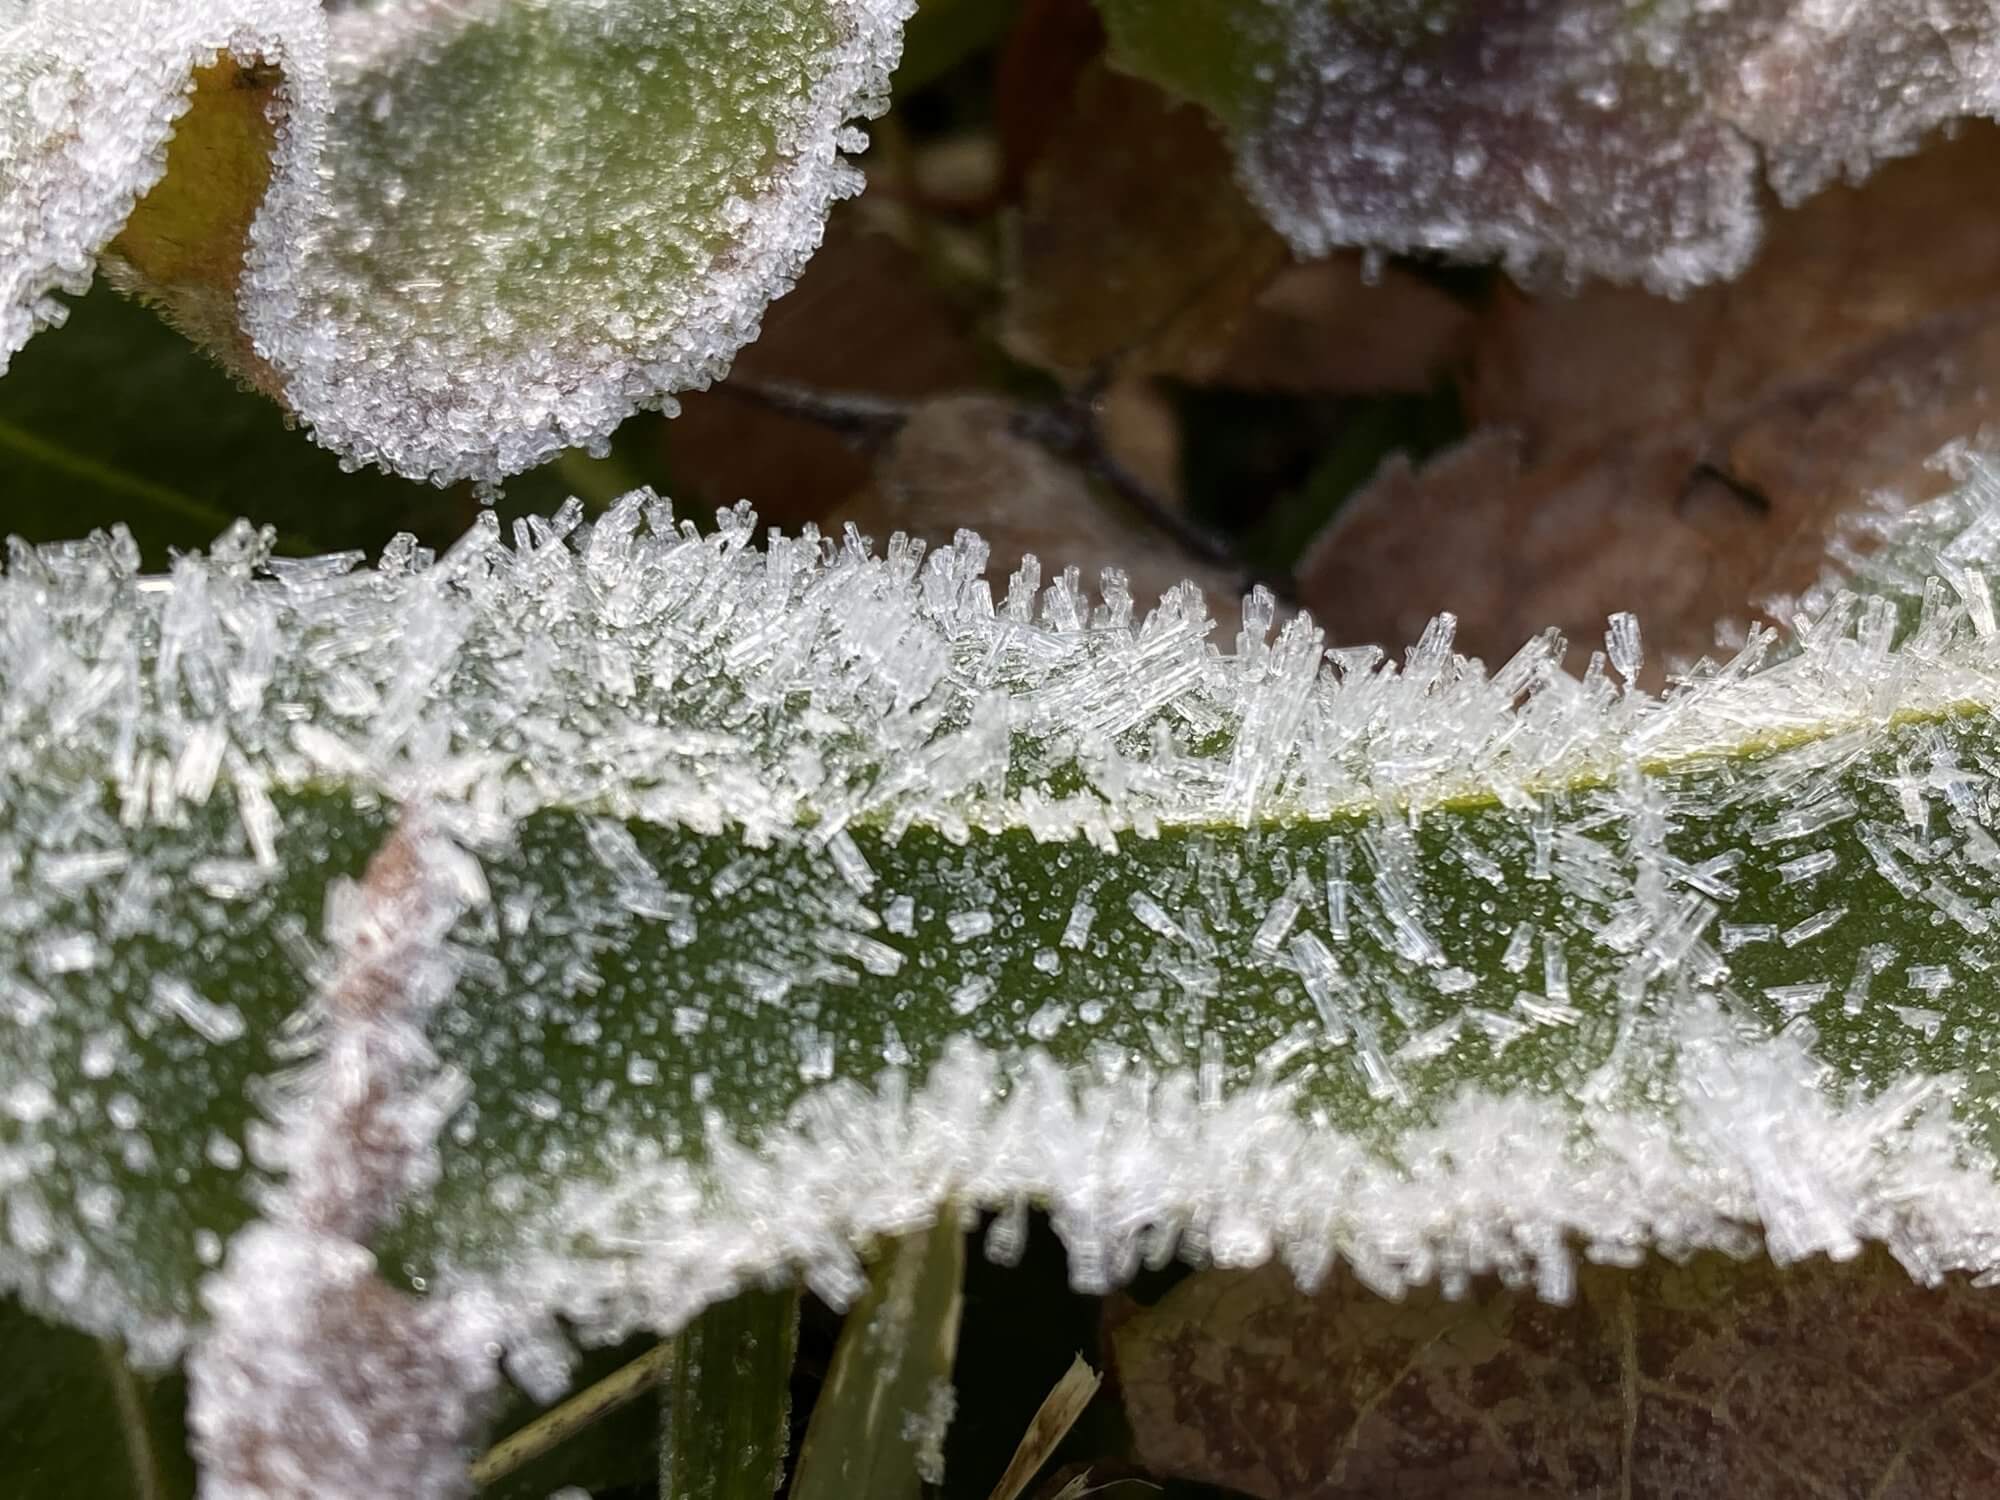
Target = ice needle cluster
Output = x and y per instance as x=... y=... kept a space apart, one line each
x=771 y=897
x=493 y=230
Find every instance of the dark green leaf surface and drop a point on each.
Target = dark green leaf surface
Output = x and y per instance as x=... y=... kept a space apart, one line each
x=879 y=1426
x=725 y=1403
x=115 y=418
x=76 y=1424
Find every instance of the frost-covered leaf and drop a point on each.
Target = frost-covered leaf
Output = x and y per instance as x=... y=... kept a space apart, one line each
x=804 y=891
x=491 y=231
x=1655 y=1380
x=1605 y=138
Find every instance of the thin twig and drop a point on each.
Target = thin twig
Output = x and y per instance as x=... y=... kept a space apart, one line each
x=1068 y=428
x=558 y=1425
x=853 y=414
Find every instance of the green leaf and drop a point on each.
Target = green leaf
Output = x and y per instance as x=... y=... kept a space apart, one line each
x=802 y=892
x=115 y=419
x=725 y=1409
x=490 y=232
x=1594 y=139
x=878 y=1427
x=191 y=450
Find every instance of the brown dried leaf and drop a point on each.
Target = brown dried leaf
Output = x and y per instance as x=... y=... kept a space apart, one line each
x=863 y=320
x=965 y=461
x=1134 y=242
x=1709 y=1379
x=1690 y=457
x=1328 y=327
x=1048 y=48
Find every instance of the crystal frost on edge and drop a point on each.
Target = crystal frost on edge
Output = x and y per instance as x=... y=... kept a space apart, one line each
x=440 y=290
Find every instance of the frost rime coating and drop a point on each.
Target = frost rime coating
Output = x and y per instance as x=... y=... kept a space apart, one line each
x=89 y=92
x=316 y=1376
x=494 y=230
x=800 y=891
x=1623 y=139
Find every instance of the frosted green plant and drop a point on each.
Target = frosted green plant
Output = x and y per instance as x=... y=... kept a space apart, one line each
x=454 y=239
x=772 y=900
x=583 y=929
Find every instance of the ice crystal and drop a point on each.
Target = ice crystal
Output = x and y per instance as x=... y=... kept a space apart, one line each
x=493 y=230
x=766 y=899
x=316 y=1376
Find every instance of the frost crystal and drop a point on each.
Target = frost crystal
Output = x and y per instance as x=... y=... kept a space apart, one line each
x=756 y=902
x=316 y=1376
x=494 y=230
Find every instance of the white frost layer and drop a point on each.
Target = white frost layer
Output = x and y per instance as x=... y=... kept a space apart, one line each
x=797 y=692
x=89 y=93
x=494 y=230
x=1601 y=138
x=1139 y=1168
x=315 y=1376
x=638 y=667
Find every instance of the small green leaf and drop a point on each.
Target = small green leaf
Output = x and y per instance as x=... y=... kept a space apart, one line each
x=725 y=1407
x=878 y=1427
x=490 y=232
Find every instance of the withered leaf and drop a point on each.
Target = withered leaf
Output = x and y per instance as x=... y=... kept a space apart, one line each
x=969 y=461
x=864 y=321
x=1710 y=1378
x=1134 y=242
x=1693 y=456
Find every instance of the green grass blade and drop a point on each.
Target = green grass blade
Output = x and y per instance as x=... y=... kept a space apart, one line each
x=77 y=1423
x=878 y=1427
x=725 y=1408
x=1429 y=969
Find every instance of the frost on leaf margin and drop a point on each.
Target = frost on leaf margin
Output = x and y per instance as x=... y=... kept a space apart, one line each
x=494 y=230
x=821 y=888
x=89 y=95
x=1600 y=138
